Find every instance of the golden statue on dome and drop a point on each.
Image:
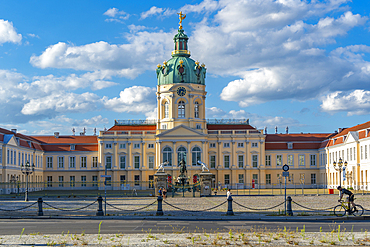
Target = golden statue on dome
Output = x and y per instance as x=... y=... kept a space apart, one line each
x=181 y=17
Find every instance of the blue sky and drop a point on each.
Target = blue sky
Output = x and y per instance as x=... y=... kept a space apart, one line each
x=76 y=64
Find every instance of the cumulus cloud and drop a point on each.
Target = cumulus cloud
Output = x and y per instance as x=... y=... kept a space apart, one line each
x=8 y=33
x=143 y=52
x=356 y=102
x=116 y=15
x=156 y=11
x=133 y=99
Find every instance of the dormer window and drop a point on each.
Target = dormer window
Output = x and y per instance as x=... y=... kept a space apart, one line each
x=290 y=145
x=73 y=146
x=29 y=143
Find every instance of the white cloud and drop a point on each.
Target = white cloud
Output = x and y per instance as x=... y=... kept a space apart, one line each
x=8 y=33
x=356 y=102
x=63 y=102
x=128 y=60
x=116 y=15
x=152 y=11
x=136 y=99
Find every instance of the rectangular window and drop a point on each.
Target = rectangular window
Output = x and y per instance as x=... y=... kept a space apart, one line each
x=227 y=161
x=254 y=160
x=137 y=162
x=241 y=178
x=73 y=147
x=198 y=126
x=255 y=178
x=72 y=180
x=60 y=162
x=240 y=144
x=83 y=181
x=108 y=145
x=164 y=126
x=151 y=162
x=268 y=160
x=290 y=160
x=95 y=181
x=61 y=180
x=313 y=159
x=94 y=162
x=122 y=162
x=8 y=157
x=313 y=178
x=268 y=178
x=240 y=161
x=362 y=152
x=301 y=160
x=365 y=152
x=122 y=145
x=151 y=181
x=279 y=160
x=136 y=145
x=83 y=162
x=72 y=162
x=150 y=145
x=50 y=181
x=226 y=144
x=123 y=179
x=212 y=162
x=11 y=156
x=108 y=162
x=137 y=180
x=290 y=145
x=254 y=144
x=212 y=145
x=227 y=179
x=49 y=162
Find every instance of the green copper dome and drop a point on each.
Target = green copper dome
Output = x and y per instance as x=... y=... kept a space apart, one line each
x=181 y=68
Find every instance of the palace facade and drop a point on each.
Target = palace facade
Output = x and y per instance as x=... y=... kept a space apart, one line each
x=237 y=154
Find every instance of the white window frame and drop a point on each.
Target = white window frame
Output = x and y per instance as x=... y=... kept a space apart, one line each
x=94 y=162
x=70 y=163
x=240 y=144
x=299 y=160
x=49 y=162
x=212 y=145
x=136 y=163
x=254 y=166
x=212 y=162
x=83 y=162
x=254 y=144
x=122 y=146
x=151 y=145
x=151 y=159
x=136 y=145
x=226 y=162
x=315 y=159
x=268 y=160
x=108 y=145
x=60 y=162
x=279 y=159
x=240 y=161
x=226 y=144
x=122 y=162
x=108 y=162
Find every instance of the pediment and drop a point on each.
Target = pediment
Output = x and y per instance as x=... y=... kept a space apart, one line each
x=10 y=140
x=352 y=137
x=181 y=131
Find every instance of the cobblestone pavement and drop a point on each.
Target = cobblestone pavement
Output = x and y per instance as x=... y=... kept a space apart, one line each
x=176 y=206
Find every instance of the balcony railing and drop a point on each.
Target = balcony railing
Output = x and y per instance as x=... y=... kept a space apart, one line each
x=136 y=122
x=228 y=121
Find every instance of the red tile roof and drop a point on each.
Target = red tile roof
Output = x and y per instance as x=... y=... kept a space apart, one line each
x=133 y=127
x=300 y=141
x=22 y=139
x=66 y=139
x=230 y=127
x=354 y=128
x=65 y=148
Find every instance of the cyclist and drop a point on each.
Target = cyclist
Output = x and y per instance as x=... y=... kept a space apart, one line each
x=351 y=196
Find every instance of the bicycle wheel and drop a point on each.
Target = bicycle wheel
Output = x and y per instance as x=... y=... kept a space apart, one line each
x=339 y=210
x=359 y=210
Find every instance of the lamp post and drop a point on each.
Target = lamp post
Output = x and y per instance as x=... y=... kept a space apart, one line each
x=27 y=170
x=338 y=167
x=14 y=179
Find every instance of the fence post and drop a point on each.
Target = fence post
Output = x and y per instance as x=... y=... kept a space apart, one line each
x=289 y=206
x=230 y=206
x=100 y=209
x=159 y=209
x=40 y=212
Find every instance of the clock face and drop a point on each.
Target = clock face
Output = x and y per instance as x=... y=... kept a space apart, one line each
x=286 y=168
x=181 y=91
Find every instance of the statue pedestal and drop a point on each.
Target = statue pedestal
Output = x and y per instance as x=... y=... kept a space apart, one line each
x=160 y=181
x=205 y=183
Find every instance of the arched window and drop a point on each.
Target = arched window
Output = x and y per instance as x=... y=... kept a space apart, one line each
x=181 y=109
x=196 y=110
x=181 y=154
x=195 y=155
x=167 y=155
x=166 y=110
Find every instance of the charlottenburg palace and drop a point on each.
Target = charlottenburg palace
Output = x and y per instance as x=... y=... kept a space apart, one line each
x=236 y=153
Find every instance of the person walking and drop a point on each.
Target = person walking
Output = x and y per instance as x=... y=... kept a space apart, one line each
x=228 y=194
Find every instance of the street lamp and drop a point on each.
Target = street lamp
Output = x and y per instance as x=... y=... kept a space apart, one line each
x=339 y=167
x=14 y=179
x=27 y=170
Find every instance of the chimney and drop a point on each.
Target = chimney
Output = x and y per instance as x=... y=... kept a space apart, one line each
x=56 y=134
x=14 y=131
x=340 y=130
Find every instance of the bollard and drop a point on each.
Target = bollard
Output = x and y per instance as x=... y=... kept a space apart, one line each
x=193 y=191
x=100 y=209
x=40 y=212
x=289 y=206
x=173 y=192
x=159 y=209
x=230 y=206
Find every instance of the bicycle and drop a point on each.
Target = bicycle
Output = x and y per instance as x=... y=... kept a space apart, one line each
x=343 y=208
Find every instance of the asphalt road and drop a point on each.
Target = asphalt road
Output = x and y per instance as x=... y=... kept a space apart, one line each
x=112 y=226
